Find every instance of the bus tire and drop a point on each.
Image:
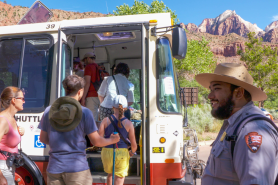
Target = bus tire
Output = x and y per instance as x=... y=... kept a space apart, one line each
x=24 y=176
x=29 y=173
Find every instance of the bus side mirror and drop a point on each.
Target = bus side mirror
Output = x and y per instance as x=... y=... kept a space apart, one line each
x=179 y=43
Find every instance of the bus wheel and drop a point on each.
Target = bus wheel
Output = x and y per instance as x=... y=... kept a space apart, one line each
x=23 y=176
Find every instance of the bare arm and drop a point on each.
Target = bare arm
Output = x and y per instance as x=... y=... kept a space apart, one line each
x=44 y=137
x=86 y=88
x=3 y=180
x=102 y=127
x=99 y=141
x=131 y=136
x=3 y=130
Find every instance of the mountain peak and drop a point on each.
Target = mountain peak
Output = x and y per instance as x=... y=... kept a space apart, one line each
x=229 y=22
x=271 y=26
x=228 y=13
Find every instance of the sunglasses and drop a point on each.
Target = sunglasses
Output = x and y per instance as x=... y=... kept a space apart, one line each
x=22 y=98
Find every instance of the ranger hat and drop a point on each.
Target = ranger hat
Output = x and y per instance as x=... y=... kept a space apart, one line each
x=235 y=74
x=65 y=114
x=89 y=54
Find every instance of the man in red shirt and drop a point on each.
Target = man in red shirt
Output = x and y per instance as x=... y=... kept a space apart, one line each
x=90 y=96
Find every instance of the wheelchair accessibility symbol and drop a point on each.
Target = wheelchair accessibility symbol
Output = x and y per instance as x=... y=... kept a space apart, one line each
x=38 y=143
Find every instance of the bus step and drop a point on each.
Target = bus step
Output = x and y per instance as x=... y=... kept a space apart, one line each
x=101 y=179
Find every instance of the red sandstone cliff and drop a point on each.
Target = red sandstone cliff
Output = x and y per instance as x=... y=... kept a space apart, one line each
x=11 y=15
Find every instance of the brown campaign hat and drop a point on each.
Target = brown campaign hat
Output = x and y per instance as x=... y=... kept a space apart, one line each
x=235 y=74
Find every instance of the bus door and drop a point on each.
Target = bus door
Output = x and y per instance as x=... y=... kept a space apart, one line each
x=144 y=152
x=65 y=57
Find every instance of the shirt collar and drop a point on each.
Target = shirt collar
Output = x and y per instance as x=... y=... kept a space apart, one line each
x=234 y=117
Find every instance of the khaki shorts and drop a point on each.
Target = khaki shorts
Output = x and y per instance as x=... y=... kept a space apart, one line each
x=76 y=178
x=121 y=162
x=93 y=103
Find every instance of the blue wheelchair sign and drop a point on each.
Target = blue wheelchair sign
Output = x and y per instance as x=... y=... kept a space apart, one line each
x=38 y=143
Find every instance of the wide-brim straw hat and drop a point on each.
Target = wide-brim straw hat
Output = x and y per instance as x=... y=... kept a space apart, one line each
x=235 y=74
x=65 y=114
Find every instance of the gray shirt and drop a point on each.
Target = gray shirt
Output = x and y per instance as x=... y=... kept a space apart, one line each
x=246 y=167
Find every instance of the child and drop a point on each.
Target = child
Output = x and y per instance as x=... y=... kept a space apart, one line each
x=126 y=128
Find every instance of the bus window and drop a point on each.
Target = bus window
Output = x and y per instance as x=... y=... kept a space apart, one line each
x=65 y=65
x=34 y=71
x=10 y=54
x=34 y=75
x=168 y=99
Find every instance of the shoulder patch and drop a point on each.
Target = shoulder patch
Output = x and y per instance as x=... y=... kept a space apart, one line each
x=253 y=141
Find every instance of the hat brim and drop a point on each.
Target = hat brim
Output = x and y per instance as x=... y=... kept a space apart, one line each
x=56 y=105
x=205 y=79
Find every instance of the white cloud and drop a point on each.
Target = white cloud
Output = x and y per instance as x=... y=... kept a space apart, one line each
x=275 y=18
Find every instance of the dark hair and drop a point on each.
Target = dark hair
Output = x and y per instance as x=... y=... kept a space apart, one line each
x=7 y=94
x=72 y=84
x=247 y=95
x=123 y=69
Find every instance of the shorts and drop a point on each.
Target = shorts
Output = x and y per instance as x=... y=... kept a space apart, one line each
x=105 y=112
x=75 y=178
x=121 y=163
x=8 y=172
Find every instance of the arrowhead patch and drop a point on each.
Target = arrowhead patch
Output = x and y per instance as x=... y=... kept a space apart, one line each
x=253 y=141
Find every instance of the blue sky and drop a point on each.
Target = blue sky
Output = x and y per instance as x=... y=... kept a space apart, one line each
x=189 y=11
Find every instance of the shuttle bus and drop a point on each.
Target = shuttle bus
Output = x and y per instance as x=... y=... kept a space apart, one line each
x=37 y=57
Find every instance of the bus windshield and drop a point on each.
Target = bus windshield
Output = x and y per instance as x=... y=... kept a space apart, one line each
x=168 y=99
x=24 y=63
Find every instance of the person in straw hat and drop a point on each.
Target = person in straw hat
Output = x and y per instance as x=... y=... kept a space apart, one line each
x=245 y=148
x=63 y=127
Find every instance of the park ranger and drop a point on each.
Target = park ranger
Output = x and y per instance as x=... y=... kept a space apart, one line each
x=253 y=158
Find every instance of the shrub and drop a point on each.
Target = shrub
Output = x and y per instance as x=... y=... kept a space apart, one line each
x=200 y=119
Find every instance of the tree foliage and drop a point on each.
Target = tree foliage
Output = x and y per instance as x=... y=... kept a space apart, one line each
x=261 y=62
x=139 y=7
x=199 y=58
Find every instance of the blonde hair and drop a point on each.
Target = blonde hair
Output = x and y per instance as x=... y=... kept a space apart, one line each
x=121 y=113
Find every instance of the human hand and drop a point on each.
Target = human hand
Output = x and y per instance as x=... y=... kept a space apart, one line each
x=83 y=102
x=21 y=130
x=131 y=154
x=115 y=138
x=3 y=180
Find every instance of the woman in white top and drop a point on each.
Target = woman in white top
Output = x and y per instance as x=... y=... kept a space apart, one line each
x=108 y=90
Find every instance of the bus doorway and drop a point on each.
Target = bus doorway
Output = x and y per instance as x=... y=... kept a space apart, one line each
x=111 y=46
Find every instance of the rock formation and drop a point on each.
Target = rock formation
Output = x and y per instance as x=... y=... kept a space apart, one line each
x=191 y=27
x=11 y=15
x=229 y=22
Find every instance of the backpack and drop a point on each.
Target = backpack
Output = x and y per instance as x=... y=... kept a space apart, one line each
x=103 y=74
x=98 y=81
x=233 y=138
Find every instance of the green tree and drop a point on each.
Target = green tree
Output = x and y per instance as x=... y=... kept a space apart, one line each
x=139 y=7
x=199 y=58
x=261 y=62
